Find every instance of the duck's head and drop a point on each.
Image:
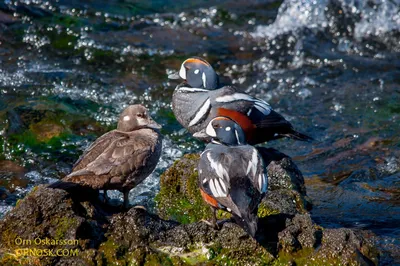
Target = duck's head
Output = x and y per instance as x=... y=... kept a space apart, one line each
x=226 y=131
x=198 y=73
x=135 y=117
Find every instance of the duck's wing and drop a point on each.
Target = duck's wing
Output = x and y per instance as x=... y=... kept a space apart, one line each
x=123 y=155
x=258 y=111
x=96 y=149
x=230 y=98
x=249 y=112
x=255 y=170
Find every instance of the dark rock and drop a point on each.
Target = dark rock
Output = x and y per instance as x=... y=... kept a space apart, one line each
x=50 y=214
x=282 y=171
x=107 y=236
x=339 y=246
x=298 y=234
x=286 y=190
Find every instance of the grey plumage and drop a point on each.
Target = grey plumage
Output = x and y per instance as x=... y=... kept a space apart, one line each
x=186 y=104
x=231 y=175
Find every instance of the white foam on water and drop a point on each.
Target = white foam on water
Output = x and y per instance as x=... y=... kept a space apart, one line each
x=373 y=18
x=381 y=17
x=15 y=79
x=295 y=14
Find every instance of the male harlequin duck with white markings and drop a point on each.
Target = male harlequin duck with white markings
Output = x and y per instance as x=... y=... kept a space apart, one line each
x=121 y=158
x=198 y=99
x=232 y=176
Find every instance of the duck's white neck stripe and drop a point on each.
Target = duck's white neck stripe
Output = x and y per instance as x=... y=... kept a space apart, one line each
x=203 y=77
x=182 y=71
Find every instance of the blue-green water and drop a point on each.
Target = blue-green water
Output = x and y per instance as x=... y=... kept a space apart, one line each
x=68 y=68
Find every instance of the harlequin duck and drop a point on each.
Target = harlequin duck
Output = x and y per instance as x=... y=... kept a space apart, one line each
x=121 y=158
x=231 y=174
x=198 y=99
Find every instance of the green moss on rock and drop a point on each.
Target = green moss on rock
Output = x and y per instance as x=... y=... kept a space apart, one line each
x=179 y=198
x=63 y=225
x=264 y=210
x=112 y=253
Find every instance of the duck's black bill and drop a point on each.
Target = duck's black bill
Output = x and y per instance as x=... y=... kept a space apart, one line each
x=174 y=76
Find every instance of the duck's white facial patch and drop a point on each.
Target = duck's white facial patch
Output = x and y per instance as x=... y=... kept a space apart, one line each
x=228 y=129
x=126 y=118
x=196 y=71
x=210 y=130
x=182 y=71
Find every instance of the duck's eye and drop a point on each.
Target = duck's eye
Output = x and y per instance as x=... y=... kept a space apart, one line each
x=140 y=115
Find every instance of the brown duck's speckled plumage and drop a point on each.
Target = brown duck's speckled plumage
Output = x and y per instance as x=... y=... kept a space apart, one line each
x=118 y=159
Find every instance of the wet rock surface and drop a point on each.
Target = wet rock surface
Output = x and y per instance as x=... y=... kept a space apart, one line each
x=106 y=235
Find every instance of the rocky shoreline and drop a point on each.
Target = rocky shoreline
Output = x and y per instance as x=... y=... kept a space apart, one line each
x=176 y=235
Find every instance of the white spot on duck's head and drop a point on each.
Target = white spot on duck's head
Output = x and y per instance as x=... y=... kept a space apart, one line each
x=127 y=118
x=228 y=129
x=196 y=71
